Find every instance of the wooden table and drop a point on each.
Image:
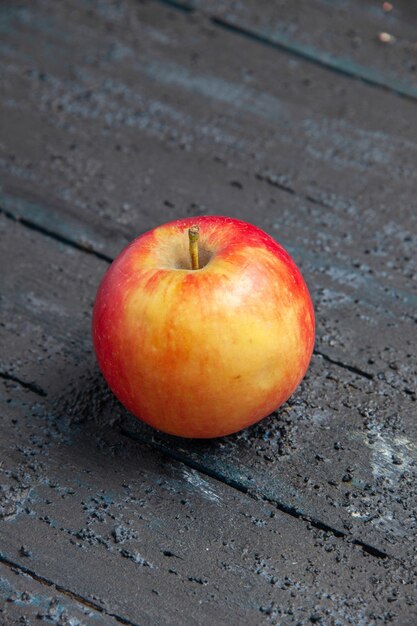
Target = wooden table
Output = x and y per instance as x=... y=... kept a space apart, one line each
x=118 y=116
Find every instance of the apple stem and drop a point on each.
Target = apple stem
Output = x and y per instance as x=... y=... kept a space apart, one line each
x=193 y=234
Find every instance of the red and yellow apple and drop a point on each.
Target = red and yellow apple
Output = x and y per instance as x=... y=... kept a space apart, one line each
x=203 y=352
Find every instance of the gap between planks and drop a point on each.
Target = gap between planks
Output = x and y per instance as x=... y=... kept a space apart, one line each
x=224 y=479
x=54 y=235
x=282 y=506
x=33 y=387
x=67 y=592
x=220 y=477
x=104 y=257
x=66 y=241
x=312 y=55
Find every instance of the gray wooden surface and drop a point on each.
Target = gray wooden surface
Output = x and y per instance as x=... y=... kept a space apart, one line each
x=373 y=41
x=118 y=116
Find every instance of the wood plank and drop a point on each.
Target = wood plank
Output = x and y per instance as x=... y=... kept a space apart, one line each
x=148 y=541
x=354 y=38
x=323 y=221
x=111 y=523
x=356 y=478
x=281 y=103
x=25 y=601
x=322 y=124
x=326 y=229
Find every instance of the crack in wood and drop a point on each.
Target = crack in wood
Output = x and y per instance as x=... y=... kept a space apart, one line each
x=340 y=534
x=56 y=236
x=67 y=592
x=179 y=6
x=27 y=385
x=350 y=368
x=274 y=182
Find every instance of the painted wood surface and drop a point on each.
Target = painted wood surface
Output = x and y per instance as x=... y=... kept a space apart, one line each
x=340 y=481
x=332 y=220
x=344 y=266
x=132 y=533
x=24 y=600
x=372 y=41
x=118 y=118
x=80 y=498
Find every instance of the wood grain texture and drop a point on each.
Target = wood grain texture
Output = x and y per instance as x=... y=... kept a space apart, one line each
x=128 y=532
x=120 y=116
x=356 y=478
x=319 y=184
x=134 y=539
x=26 y=600
x=347 y=37
x=116 y=185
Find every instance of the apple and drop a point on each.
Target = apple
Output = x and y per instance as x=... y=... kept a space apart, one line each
x=203 y=326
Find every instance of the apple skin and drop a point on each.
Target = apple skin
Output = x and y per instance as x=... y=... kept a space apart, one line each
x=203 y=353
